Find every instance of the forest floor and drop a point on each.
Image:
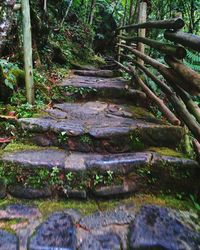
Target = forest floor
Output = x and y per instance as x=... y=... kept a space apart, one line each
x=98 y=173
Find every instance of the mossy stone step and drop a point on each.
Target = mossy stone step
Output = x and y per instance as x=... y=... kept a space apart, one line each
x=100 y=127
x=44 y=173
x=102 y=87
x=96 y=73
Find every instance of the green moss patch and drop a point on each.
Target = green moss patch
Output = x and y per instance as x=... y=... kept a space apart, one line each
x=167 y=152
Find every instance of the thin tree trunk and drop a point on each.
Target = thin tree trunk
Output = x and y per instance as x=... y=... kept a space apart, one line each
x=28 y=61
x=142 y=32
x=91 y=13
x=66 y=13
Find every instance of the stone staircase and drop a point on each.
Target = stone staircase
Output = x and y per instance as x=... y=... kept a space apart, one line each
x=98 y=148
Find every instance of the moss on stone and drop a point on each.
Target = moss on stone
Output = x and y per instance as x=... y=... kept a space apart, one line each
x=22 y=146
x=167 y=152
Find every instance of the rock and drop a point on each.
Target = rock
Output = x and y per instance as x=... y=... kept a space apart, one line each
x=128 y=186
x=156 y=228
x=2 y=190
x=118 y=164
x=57 y=232
x=74 y=193
x=109 y=241
x=29 y=193
x=118 y=216
x=47 y=158
x=97 y=73
x=101 y=125
x=8 y=241
x=23 y=211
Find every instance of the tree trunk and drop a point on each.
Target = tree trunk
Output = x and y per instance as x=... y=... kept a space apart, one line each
x=142 y=32
x=28 y=60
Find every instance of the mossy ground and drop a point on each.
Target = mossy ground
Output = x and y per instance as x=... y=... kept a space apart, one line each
x=89 y=206
x=167 y=152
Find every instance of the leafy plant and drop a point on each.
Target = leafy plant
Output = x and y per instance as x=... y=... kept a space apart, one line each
x=62 y=137
x=86 y=139
x=196 y=205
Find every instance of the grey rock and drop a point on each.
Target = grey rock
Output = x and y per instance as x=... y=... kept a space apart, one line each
x=102 y=121
x=118 y=216
x=29 y=193
x=57 y=232
x=155 y=228
x=109 y=241
x=2 y=190
x=47 y=158
x=24 y=211
x=119 y=164
x=8 y=241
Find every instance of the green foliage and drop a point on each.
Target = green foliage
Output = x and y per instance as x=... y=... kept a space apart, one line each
x=10 y=74
x=82 y=91
x=56 y=178
x=193 y=60
x=86 y=139
x=63 y=137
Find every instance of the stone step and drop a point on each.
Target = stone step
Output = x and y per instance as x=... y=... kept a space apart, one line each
x=100 y=127
x=102 y=87
x=45 y=172
x=96 y=73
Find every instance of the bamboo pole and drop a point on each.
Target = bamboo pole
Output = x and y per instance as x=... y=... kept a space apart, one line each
x=188 y=40
x=175 y=24
x=164 y=70
x=158 y=102
x=28 y=62
x=168 y=49
x=142 y=17
x=187 y=74
x=179 y=105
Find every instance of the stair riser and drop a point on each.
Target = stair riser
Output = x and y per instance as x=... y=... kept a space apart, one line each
x=136 y=97
x=131 y=142
x=103 y=176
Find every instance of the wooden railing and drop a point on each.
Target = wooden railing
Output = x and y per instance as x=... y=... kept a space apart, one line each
x=180 y=84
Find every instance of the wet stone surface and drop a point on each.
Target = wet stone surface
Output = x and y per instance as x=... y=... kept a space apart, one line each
x=58 y=232
x=123 y=228
x=8 y=241
x=97 y=121
x=155 y=228
x=107 y=241
x=124 y=168
x=28 y=192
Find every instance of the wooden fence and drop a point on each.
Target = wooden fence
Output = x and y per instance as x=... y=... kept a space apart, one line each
x=180 y=84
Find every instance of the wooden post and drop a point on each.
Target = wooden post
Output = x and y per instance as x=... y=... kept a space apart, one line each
x=27 y=40
x=142 y=32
